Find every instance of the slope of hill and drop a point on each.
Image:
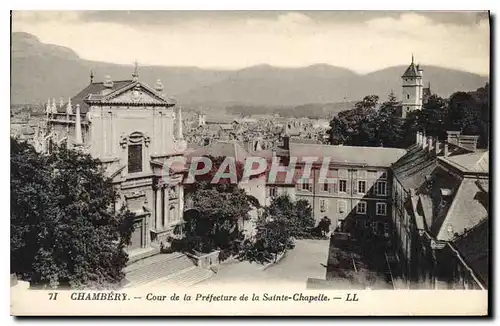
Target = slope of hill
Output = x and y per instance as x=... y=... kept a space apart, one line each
x=40 y=71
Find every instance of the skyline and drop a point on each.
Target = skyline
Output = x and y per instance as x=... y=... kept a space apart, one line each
x=365 y=41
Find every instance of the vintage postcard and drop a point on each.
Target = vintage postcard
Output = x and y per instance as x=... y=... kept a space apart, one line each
x=318 y=163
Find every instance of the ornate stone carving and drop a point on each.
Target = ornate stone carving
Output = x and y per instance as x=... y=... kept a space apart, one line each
x=123 y=141
x=147 y=140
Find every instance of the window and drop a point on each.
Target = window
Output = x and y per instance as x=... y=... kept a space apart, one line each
x=306 y=185
x=381 y=188
x=135 y=158
x=361 y=208
x=273 y=192
x=323 y=205
x=342 y=185
x=381 y=209
x=342 y=206
x=362 y=187
x=375 y=227
x=325 y=187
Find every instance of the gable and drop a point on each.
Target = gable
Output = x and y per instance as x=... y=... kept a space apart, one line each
x=137 y=94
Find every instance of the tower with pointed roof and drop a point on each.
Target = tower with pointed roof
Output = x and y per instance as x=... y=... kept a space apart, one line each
x=412 y=83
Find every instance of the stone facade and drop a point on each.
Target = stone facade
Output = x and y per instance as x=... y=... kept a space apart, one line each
x=132 y=129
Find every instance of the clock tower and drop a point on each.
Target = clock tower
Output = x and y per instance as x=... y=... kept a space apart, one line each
x=412 y=88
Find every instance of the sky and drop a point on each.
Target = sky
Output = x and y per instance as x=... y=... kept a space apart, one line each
x=363 y=41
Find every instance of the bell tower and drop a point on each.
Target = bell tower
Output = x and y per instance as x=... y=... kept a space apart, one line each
x=412 y=83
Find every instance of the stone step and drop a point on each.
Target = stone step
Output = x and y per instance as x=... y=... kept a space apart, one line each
x=190 y=277
x=158 y=258
x=158 y=268
x=141 y=254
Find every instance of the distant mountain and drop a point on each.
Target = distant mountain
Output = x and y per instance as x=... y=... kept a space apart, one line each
x=40 y=71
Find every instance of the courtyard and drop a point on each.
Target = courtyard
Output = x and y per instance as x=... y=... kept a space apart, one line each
x=307 y=260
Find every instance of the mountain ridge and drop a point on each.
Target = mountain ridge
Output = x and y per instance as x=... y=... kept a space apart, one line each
x=40 y=71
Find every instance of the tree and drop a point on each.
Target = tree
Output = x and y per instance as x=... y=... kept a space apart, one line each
x=389 y=131
x=65 y=230
x=295 y=215
x=218 y=226
x=355 y=127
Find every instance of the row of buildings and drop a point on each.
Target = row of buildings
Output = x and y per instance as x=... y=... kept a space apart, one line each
x=430 y=199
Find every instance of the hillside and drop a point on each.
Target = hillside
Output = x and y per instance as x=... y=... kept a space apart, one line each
x=42 y=70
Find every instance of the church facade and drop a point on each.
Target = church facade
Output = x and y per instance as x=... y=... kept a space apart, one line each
x=132 y=129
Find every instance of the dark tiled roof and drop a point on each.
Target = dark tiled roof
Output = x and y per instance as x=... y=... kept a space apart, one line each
x=411 y=71
x=474 y=249
x=435 y=208
x=95 y=89
x=412 y=168
x=221 y=148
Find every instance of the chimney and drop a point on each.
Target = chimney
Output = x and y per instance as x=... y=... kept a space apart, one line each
x=423 y=143
x=54 y=106
x=438 y=144
x=430 y=140
x=418 y=138
x=159 y=86
x=452 y=137
x=108 y=83
x=468 y=142
x=78 y=127
x=446 y=150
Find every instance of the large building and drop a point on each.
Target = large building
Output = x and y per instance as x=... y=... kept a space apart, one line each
x=132 y=129
x=358 y=197
x=440 y=213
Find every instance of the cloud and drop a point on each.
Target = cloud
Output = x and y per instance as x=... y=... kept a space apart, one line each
x=362 y=41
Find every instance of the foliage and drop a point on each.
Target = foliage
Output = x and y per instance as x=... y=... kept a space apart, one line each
x=217 y=223
x=295 y=215
x=65 y=230
x=365 y=125
x=282 y=221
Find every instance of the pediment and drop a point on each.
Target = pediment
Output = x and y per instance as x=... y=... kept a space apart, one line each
x=137 y=94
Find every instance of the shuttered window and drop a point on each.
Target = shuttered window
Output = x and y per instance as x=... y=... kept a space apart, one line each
x=135 y=158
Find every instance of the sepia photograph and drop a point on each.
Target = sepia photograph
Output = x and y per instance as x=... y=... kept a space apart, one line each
x=247 y=162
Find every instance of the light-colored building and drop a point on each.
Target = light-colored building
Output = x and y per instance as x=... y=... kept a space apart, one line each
x=414 y=94
x=358 y=195
x=440 y=213
x=413 y=88
x=132 y=129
